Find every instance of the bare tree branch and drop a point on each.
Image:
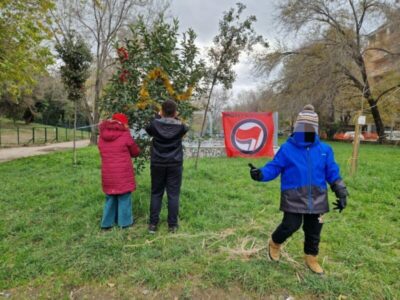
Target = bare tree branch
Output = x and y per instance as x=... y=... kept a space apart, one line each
x=353 y=9
x=80 y=18
x=387 y=91
x=380 y=49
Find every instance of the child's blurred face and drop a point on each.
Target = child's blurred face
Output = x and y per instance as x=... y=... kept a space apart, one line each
x=305 y=133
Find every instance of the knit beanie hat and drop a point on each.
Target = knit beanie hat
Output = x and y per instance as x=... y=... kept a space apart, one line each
x=307 y=120
x=120 y=117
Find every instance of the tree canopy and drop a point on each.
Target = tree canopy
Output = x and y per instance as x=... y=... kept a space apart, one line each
x=76 y=56
x=152 y=67
x=339 y=28
x=24 y=27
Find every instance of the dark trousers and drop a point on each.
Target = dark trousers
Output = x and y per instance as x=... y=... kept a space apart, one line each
x=170 y=179
x=291 y=223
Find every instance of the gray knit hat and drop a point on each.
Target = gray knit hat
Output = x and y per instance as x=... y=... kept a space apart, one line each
x=307 y=120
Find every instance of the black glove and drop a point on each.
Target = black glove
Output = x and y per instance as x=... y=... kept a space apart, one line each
x=340 y=190
x=340 y=204
x=255 y=173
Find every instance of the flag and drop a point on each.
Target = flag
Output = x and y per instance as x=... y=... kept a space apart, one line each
x=248 y=134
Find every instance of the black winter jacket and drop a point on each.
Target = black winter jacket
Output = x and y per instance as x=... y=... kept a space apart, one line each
x=166 y=148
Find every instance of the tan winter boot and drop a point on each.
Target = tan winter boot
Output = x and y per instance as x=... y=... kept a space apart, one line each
x=274 y=250
x=313 y=265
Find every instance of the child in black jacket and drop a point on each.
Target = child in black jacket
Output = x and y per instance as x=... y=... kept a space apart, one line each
x=166 y=164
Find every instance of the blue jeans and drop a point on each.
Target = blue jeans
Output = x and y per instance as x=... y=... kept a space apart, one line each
x=117 y=210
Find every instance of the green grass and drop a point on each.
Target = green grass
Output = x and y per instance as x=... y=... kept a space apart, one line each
x=51 y=245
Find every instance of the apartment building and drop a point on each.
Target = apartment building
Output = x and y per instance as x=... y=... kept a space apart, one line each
x=385 y=62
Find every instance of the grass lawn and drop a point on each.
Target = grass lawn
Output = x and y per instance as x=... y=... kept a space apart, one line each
x=51 y=245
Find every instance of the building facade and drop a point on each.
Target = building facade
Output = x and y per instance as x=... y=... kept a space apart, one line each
x=382 y=61
x=386 y=62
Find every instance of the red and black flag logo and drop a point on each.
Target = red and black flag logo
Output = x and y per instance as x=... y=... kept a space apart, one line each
x=248 y=134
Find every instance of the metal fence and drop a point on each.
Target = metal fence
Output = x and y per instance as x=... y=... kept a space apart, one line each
x=38 y=135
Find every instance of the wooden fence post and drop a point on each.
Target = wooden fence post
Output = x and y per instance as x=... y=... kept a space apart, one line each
x=356 y=145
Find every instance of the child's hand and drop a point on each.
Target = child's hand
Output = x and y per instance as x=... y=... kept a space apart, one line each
x=340 y=204
x=255 y=173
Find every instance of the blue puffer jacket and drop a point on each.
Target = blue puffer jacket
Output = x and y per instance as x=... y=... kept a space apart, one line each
x=305 y=168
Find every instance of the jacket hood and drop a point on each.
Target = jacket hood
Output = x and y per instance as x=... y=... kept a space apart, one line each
x=168 y=128
x=110 y=130
x=298 y=139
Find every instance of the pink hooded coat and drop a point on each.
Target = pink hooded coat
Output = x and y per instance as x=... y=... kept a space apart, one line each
x=117 y=147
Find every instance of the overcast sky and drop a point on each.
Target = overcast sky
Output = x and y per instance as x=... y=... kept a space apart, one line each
x=204 y=15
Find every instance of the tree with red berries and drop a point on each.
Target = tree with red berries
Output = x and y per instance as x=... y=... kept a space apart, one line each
x=152 y=67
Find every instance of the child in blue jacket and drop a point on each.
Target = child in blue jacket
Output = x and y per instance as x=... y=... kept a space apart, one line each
x=305 y=165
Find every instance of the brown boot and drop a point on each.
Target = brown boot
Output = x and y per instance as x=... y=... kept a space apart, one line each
x=274 y=250
x=313 y=265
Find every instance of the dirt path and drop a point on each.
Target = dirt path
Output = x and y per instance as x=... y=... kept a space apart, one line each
x=14 y=153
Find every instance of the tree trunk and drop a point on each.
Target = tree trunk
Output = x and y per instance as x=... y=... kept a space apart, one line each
x=89 y=116
x=96 y=117
x=331 y=128
x=74 y=146
x=380 y=128
x=331 y=104
x=204 y=120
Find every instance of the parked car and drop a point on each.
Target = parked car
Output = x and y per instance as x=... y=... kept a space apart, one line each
x=349 y=135
x=338 y=136
x=370 y=136
x=392 y=135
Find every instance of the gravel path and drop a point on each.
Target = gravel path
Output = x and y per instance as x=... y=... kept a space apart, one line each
x=7 y=154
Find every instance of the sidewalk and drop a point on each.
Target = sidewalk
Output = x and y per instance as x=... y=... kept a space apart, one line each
x=19 y=152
